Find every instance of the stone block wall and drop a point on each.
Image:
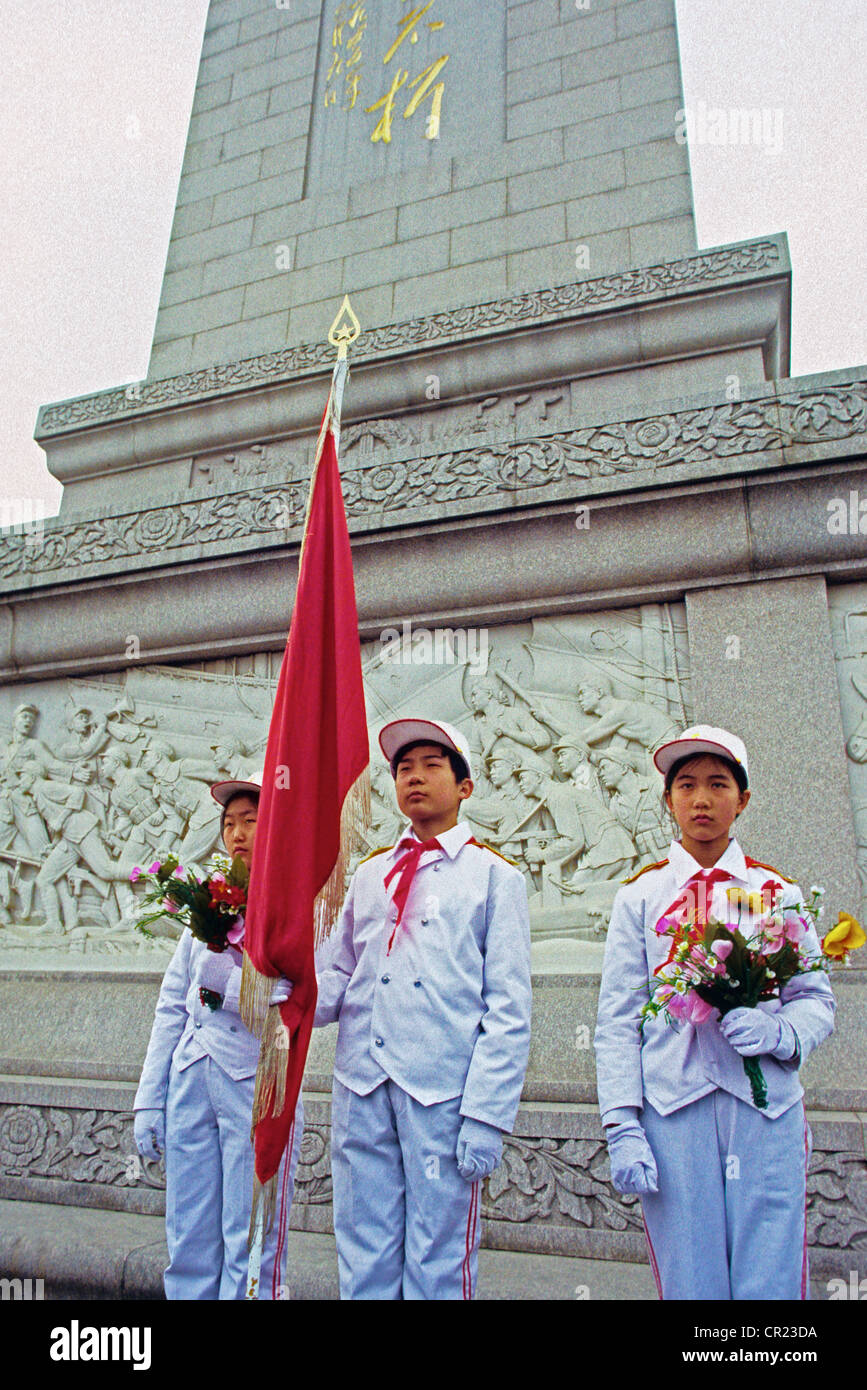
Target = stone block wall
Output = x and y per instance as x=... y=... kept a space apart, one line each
x=581 y=177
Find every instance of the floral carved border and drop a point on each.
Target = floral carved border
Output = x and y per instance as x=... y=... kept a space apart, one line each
x=480 y=469
x=431 y=329
x=547 y=1181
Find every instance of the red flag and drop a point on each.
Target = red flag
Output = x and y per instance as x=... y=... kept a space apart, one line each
x=312 y=790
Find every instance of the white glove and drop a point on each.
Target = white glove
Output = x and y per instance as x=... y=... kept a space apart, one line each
x=149 y=1131
x=281 y=991
x=753 y=1033
x=479 y=1149
x=633 y=1167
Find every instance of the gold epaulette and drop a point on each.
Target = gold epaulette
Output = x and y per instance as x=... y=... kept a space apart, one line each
x=646 y=869
x=759 y=864
x=374 y=853
x=481 y=844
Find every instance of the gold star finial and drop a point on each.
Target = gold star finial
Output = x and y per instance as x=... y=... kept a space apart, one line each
x=345 y=328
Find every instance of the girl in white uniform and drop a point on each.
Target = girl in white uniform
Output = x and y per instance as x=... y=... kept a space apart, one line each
x=722 y=1183
x=195 y=1100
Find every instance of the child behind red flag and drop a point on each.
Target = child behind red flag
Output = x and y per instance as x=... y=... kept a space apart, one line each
x=428 y=978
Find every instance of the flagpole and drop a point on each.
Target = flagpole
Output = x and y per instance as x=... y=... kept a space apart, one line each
x=257 y=1241
x=342 y=333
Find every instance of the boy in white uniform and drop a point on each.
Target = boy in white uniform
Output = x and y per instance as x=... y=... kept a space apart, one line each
x=722 y=1183
x=428 y=976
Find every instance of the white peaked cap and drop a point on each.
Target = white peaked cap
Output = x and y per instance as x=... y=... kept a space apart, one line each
x=702 y=738
x=224 y=791
x=403 y=731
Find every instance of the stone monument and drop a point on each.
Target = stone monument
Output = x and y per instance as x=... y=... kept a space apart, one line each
x=587 y=506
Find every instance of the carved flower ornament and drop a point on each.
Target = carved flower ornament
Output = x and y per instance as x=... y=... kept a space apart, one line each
x=650 y=436
x=23 y=1132
x=386 y=480
x=155 y=527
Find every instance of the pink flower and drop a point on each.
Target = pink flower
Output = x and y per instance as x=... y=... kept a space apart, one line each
x=155 y=867
x=179 y=871
x=690 y=1008
x=773 y=933
x=169 y=906
x=722 y=949
x=665 y=925
x=136 y=874
x=700 y=1009
x=235 y=934
x=795 y=927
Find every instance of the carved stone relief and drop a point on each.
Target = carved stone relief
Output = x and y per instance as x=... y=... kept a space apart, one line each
x=847 y=604
x=247 y=466
x=100 y=775
x=561 y=716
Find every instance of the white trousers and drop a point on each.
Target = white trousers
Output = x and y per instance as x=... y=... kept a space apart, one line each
x=729 y=1219
x=209 y=1187
x=407 y=1224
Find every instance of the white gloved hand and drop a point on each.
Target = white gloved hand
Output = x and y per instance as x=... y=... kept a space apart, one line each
x=633 y=1167
x=479 y=1149
x=149 y=1131
x=281 y=991
x=753 y=1033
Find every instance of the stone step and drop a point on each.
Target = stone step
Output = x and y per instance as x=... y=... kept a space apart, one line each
x=89 y=1253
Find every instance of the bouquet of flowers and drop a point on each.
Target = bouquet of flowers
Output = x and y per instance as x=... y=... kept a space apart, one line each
x=212 y=907
x=714 y=965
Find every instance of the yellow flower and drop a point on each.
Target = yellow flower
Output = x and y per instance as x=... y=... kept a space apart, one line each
x=846 y=935
x=740 y=897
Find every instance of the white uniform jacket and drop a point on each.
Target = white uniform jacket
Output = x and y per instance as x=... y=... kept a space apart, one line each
x=187 y=1029
x=675 y=1064
x=447 y=1013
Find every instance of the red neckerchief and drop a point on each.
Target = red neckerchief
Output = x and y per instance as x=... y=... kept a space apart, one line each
x=686 y=899
x=701 y=901
x=406 y=867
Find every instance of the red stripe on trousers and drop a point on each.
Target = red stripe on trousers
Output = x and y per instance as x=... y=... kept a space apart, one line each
x=653 y=1265
x=466 y=1275
x=804 y=1262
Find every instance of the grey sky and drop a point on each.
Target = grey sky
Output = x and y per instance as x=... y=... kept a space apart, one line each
x=94 y=105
